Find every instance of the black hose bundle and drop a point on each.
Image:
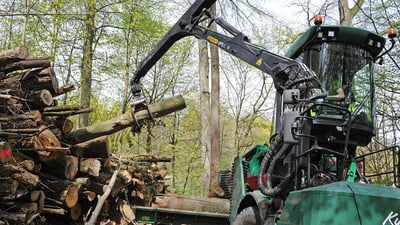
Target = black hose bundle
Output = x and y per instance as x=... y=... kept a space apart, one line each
x=277 y=152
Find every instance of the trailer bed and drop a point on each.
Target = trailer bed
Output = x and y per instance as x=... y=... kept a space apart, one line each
x=150 y=215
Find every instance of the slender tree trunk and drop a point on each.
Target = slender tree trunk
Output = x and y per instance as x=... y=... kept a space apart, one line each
x=87 y=60
x=215 y=113
x=130 y=38
x=26 y=18
x=205 y=113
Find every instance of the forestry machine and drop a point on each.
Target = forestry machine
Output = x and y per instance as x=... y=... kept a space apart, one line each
x=324 y=110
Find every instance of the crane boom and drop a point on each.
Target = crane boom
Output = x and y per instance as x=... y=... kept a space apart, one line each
x=284 y=71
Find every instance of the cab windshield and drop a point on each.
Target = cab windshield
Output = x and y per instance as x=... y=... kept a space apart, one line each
x=345 y=72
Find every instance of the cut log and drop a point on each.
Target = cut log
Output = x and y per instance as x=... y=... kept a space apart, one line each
x=90 y=166
x=125 y=176
x=68 y=113
x=5 y=152
x=20 y=217
x=61 y=190
x=19 y=174
x=90 y=195
x=11 y=197
x=126 y=120
x=47 y=139
x=60 y=122
x=64 y=167
x=94 y=148
x=45 y=82
x=64 y=89
x=213 y=205
x=82 y=181
x=54 y=210
x=75 y=212
x=25 y=64
x=12 y=55
x=8 y=186
x=28 y=165
x=41 y=99
x=127 y=212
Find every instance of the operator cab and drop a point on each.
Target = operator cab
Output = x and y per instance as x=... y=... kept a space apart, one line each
x=343 y=59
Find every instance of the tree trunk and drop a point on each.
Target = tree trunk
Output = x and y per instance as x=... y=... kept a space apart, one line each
x=205 y=113
x=346 y=13
x=215 y=113
x=87 y=60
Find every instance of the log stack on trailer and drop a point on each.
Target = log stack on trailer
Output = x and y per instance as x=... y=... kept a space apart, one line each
x=49 y=170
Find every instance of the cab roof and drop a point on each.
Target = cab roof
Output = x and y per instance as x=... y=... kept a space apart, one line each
x=337 y=33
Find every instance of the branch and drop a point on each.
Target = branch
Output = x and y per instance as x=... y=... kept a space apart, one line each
x=357 y=6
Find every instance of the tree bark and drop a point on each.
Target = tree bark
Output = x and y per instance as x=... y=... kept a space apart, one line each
x=12 y=55
x=94 y=148
x=87 y=61
x=126 y=120
x=205 y=113
x=215 y=113
x=90 y=166
x=61 y=190
x=346 y=13
x=64 y=167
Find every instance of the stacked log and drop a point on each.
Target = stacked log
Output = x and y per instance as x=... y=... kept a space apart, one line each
x=50 y=171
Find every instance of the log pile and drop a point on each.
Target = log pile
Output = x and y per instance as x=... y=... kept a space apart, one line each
x=51 y=172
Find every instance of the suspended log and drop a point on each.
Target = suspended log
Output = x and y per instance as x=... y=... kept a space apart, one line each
x=64 y=167
x=158 y=109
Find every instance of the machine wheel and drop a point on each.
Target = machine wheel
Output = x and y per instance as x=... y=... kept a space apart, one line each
x=248 y=216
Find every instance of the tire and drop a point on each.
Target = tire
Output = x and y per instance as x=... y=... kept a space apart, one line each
x=248 y=216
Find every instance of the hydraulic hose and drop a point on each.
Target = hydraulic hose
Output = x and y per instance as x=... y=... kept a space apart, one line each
x=277 y=152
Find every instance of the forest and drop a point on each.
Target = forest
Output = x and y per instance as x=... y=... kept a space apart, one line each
x=97 y=45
